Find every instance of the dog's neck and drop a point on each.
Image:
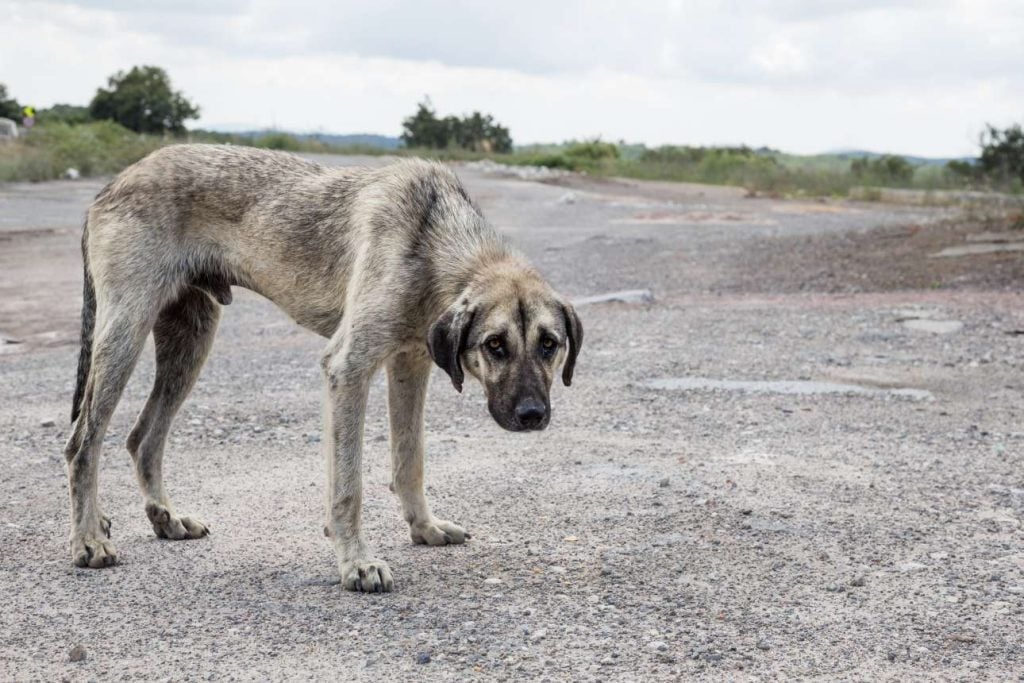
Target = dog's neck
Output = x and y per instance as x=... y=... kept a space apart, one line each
x=471 y=271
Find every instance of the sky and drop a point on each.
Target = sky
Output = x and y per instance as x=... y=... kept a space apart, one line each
x=804 y=76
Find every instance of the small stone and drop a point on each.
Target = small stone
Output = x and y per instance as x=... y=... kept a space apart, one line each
x=763 y=644
x=909 y=567
x=312 y=438
x=423 y=658
x=658 y=645
x=570 y=539
x=539 y=634
x=493 y=581
x=47 y=423
x=664 y=483
x=607 y=661
x=835 y=588
x=556 y=570
x=746 y=512
x=77 y=654
x=858 y=581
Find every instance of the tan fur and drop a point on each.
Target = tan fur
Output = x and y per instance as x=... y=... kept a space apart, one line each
x=394 y=266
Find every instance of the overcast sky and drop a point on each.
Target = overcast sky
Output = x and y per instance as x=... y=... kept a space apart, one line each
x=801 y=75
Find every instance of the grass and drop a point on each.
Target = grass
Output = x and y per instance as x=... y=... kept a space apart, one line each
x=96 y=148
x=103 y=147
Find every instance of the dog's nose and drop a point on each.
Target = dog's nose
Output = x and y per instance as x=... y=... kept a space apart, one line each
x=531 y=413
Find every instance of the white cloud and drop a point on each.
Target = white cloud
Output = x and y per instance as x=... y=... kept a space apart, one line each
x=912 y=77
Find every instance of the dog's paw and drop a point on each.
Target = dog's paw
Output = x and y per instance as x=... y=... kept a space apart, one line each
x=367 y=575
x=438 y=532
x=170 y=526
x=93 y=550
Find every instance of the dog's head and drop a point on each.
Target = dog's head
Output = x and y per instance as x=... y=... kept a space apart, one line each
x=511 y=332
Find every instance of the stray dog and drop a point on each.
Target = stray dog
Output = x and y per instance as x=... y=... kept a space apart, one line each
x=396 y=266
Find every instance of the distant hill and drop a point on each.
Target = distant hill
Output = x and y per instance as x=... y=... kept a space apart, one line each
x=848 y=154
x=334 y=139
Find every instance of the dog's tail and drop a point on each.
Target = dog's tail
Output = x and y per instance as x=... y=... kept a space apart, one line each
x=88 y=324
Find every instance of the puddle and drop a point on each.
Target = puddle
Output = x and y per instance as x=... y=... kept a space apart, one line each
x=933 y=326
x=979 y=248
x=705 y=217
x=789 y=387
x=627 y=296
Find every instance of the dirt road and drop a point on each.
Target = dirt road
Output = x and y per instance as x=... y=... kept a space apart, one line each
x=803 y=459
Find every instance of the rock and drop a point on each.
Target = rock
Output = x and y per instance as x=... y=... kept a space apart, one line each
x=857 y=581
x=910 y=567
x=626 y=296
x=77 y=654
x=539 y=634
x=493 y=581
x=835 y=588
x=423 y=658
x=47 y=423
x=933 y=326
x=664 y=483
x=567 y=198
x=763 y=644
x=657 y=646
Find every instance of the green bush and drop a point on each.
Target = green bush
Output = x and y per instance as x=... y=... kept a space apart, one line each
x=280 y=141
x=98 y=148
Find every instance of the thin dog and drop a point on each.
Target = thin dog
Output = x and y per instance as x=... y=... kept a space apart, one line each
x=396 y=266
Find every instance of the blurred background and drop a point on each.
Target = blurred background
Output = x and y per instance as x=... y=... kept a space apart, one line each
x=781 y=97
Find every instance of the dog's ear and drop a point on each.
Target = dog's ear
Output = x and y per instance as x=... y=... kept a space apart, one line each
x=573 y=330
x=447 y=341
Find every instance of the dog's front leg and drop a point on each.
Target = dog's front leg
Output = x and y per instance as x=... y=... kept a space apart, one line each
x=348 y=377
x=408 y=375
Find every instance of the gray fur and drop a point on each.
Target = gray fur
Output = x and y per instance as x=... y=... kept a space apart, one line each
x=376 y=260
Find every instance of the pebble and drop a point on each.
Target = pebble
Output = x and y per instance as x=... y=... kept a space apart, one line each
x=908 y=567
x=664 y=483
x=857 y=581
x=658 y=645
x=492 y=581
x=47 y=423
x=539 y=634
x=77 y=654
x=763 y=644
x=423 y=658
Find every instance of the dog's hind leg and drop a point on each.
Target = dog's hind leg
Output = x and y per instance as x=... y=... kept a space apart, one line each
x=121 y=333
x=408 y=375
x=183 y=335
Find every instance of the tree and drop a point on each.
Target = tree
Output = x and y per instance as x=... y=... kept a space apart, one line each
x=424 y=129
x=9 y=107
x=1002 y=153
x=476 y=132
x=142 y=99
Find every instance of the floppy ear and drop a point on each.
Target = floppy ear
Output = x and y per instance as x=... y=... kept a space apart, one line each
x=447 y=341
x=574 y=330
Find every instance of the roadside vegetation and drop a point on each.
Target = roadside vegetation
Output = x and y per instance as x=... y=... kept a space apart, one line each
x=139 y=111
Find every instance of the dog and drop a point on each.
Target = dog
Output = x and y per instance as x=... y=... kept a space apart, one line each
x=396 y=266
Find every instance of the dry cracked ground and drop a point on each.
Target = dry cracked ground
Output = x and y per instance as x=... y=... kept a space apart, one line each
x=802 y=459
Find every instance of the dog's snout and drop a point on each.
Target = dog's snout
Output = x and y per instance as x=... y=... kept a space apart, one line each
x=531 y=413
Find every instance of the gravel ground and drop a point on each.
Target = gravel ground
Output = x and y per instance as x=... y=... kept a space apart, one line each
x=750 y=531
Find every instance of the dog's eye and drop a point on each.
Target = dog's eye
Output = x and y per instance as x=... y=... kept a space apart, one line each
x=548 y=346
x=495 y=345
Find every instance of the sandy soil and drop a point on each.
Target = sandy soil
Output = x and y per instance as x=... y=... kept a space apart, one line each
x=749 y=531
